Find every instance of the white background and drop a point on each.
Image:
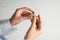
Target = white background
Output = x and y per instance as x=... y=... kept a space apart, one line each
x=50 y=16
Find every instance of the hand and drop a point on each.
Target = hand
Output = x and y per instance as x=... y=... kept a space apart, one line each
x=21 y=14
x=35 y=30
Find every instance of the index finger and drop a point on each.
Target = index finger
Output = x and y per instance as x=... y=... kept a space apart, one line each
x=26 y=8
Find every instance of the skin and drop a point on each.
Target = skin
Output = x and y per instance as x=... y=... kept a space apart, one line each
x=35 y=29
x=20 y=15
x=25 y=13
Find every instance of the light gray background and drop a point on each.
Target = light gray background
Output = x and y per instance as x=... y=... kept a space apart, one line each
x=50 y=16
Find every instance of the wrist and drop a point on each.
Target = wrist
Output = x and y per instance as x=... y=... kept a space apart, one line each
x=29 y=39
x=11 y=22
x=14 y=21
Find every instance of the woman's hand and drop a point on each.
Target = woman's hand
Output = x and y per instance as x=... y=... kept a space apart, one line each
x=21 y=14
x=35 y=30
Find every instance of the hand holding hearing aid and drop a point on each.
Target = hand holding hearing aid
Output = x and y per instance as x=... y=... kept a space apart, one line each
x=25 y=13
x=35 y=29
x=21 y=14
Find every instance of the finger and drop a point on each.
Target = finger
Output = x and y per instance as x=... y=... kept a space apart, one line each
x=26 y=8
x=27 y=14
x=33 y=20
x=38 y=22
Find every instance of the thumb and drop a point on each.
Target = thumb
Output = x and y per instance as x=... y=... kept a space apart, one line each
x=33 y=21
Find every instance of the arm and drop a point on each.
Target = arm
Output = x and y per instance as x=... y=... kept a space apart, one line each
x=35 y=30
x=21 y=14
